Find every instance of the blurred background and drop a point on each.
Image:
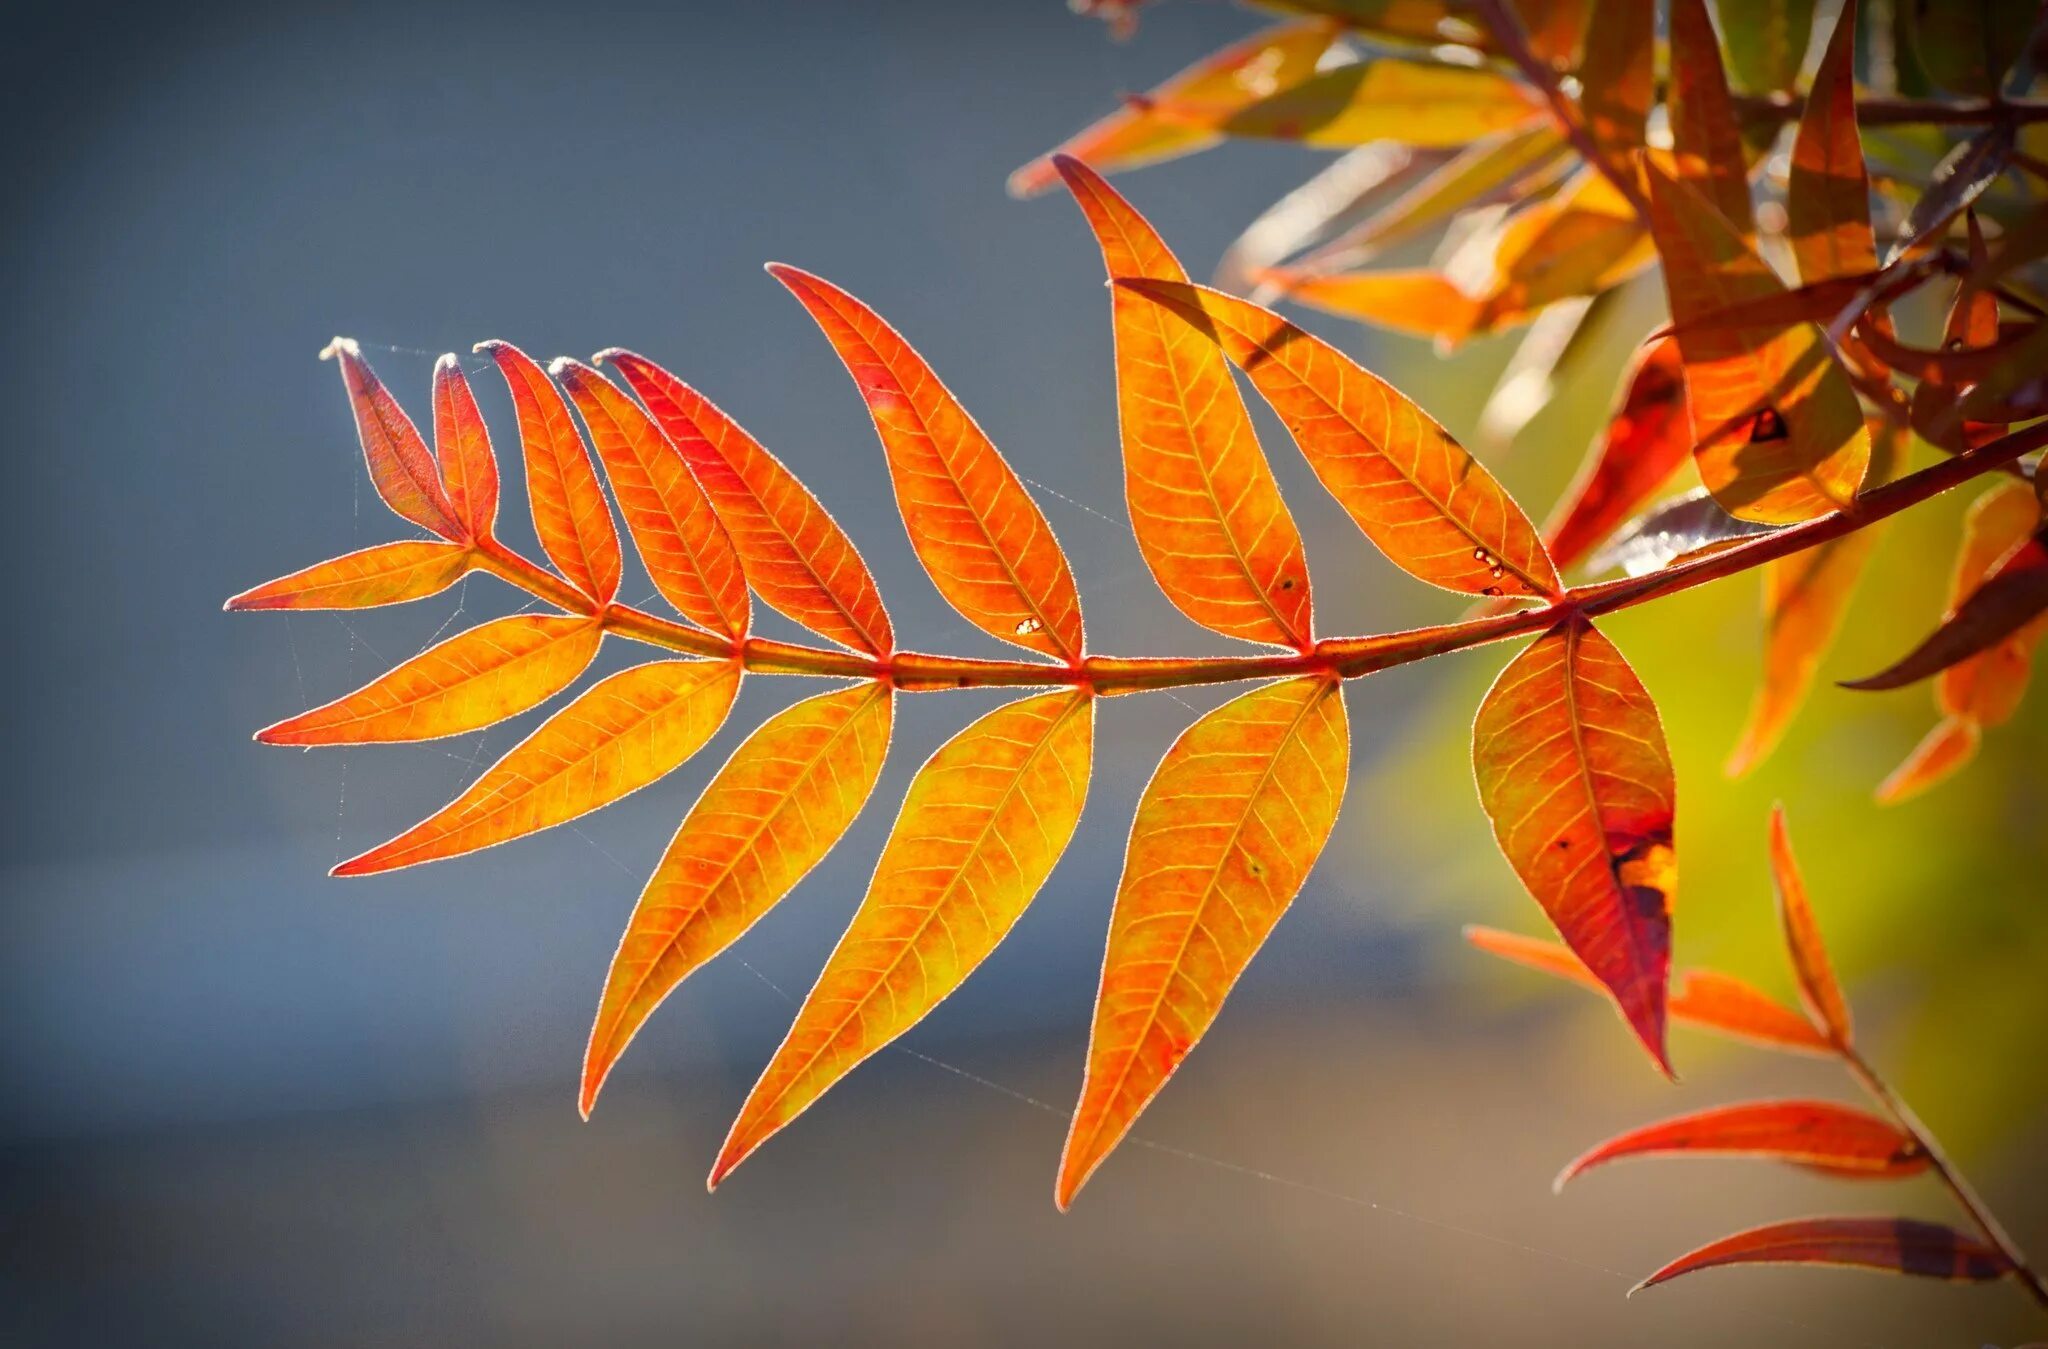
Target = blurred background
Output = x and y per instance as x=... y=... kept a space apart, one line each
x=241 y=1103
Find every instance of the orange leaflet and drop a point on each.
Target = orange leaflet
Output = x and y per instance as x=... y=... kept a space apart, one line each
x=774 y=810
x=1574 y=774
x=625 y=732
x=1225 y=834
x=1707 y=999
x=1389 y=99
x=1207 y=513
x=687 y=552
x=493 y=671
x=401 y=468
x=985 y=821
x=795 y=555
x=1894 y=1245
x=980 y=536
x=1199 y=98
x=1827 y=199
x=1805 y=598
x=1647 y=439
x=1845 y=1141
x=1415 y=301
x=1428 y=505
x=1616 y=73
x=389 y=573
x=1779 y=436
x=469 y=471
x=1818 y=989
x=569 y=511
x=1706 y=141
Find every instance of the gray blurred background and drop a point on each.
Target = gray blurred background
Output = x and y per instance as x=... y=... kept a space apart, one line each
x=243 y=1104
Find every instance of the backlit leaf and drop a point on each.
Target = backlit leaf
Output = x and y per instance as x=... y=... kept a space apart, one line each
x=1581 y=240
x=1617 y=74
x=1893 y=1245
x=687 y=553
x=1423 y=22
x=1428 y=505
x=1389 y=99
x=475 y=678
x=1706 y=999
x=986 y=819
x=1706 y=140
x=1647 y=439
x=1418 y=301
x=389 y=573
x=401 y=468
x=569 y=512
x=1183 y=114
x=1844 y=1140
x=627 y=731
x=1805 y=598
x=795 y=555
x=462 y=443
x=1778 y=434
x=1225 y=834
x=772 y=812
x=1337 y=193
x=1827 y=198
x=1818 y=989
x=1208 y=515
x=1575 y=776
x=977 y=531
x=2012 y=600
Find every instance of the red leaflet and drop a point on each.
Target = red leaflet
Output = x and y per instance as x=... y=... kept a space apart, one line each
x=569 y=511
x=1427 y=504
x=1648 y=438
x=401 y=468
x=1206 y=510
x=469 y=471
x=1827 y=198
x=1844 y=1141
x=979 y=534
x=1574 y=774
x=2010 y=603
x=1616 y=73
x=1894 y=1245
x=687 y=552
x=794 y=553
x=1818 y=990
x=390 y=573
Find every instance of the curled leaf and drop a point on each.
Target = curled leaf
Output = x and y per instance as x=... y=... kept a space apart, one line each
x=773 y=811
x=1427 y=504
x=981 y=537
x=627 y=731
x=389 y=573
x=1574 y=774
x=1205 y=508
x=2012 y=601
x=1682 y=527
x=1844 y=1140
x=570 y=516
x=1891 y=1245
x=1778 y=434
x=982 y=827
x=1225 y=834
x=475 y=678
